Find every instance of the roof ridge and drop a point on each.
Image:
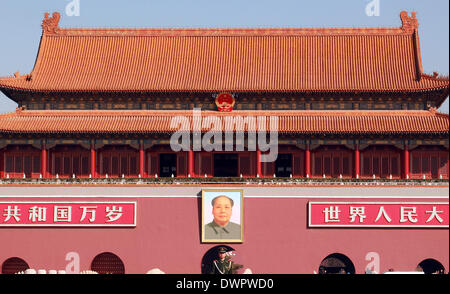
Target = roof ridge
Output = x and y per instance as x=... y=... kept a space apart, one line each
x=442 y=114
x=138 y=112
x=435 y=77
x=50 y=26
x=229 y=32
x=8 y=114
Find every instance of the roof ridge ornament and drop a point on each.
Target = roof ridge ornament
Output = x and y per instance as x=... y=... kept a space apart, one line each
x=409 y=23
x=432 y=110
x=27 y=77
x=50 y=25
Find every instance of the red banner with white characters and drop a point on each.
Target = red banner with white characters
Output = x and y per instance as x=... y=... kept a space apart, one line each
x=67 y=214
x=379 y=214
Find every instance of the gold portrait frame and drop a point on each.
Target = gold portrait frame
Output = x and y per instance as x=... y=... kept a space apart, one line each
x=207 y=197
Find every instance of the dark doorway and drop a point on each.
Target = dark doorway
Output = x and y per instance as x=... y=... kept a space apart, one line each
x=14 y=265
x=225 y=165
x=283 y=165
x=431 y=266
x=107 y=263
x=210 y=256
x=336 y=263
x=168 y=165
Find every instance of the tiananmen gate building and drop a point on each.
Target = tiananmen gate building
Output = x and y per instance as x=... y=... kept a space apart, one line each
x=360 y=177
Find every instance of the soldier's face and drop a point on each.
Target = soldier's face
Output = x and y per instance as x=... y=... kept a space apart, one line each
x=222 y=210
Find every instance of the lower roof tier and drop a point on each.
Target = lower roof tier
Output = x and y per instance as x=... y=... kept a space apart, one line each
x=296 y=122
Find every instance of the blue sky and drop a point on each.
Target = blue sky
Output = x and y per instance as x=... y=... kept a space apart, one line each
x=20 y=22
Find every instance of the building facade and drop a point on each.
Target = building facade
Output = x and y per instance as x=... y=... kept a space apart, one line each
x=350 y=107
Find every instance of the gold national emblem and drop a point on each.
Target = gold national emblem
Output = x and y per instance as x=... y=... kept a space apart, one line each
x=225 y=102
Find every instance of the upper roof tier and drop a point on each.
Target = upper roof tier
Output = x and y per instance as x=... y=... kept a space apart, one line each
x=281 y=59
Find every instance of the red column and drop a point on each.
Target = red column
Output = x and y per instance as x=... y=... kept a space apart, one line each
x=44 y=161
x=191 y=163
x=93 y=158
x=357 y=163
x=406 y=162
x=142 y=161
x=258 y=163
x=307 y=161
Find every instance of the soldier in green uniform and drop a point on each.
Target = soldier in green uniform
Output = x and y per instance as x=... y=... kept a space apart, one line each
x=223 y=265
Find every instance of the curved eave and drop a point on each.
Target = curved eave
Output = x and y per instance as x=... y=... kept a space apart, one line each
x=352 y=133
x=240 y=90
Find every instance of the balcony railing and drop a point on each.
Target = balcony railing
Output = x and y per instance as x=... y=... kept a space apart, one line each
x=224 y=181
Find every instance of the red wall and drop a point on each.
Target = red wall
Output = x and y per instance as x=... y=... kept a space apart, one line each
x=276 y=239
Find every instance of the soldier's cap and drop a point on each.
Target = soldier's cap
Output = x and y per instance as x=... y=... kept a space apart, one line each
x=222 y=250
